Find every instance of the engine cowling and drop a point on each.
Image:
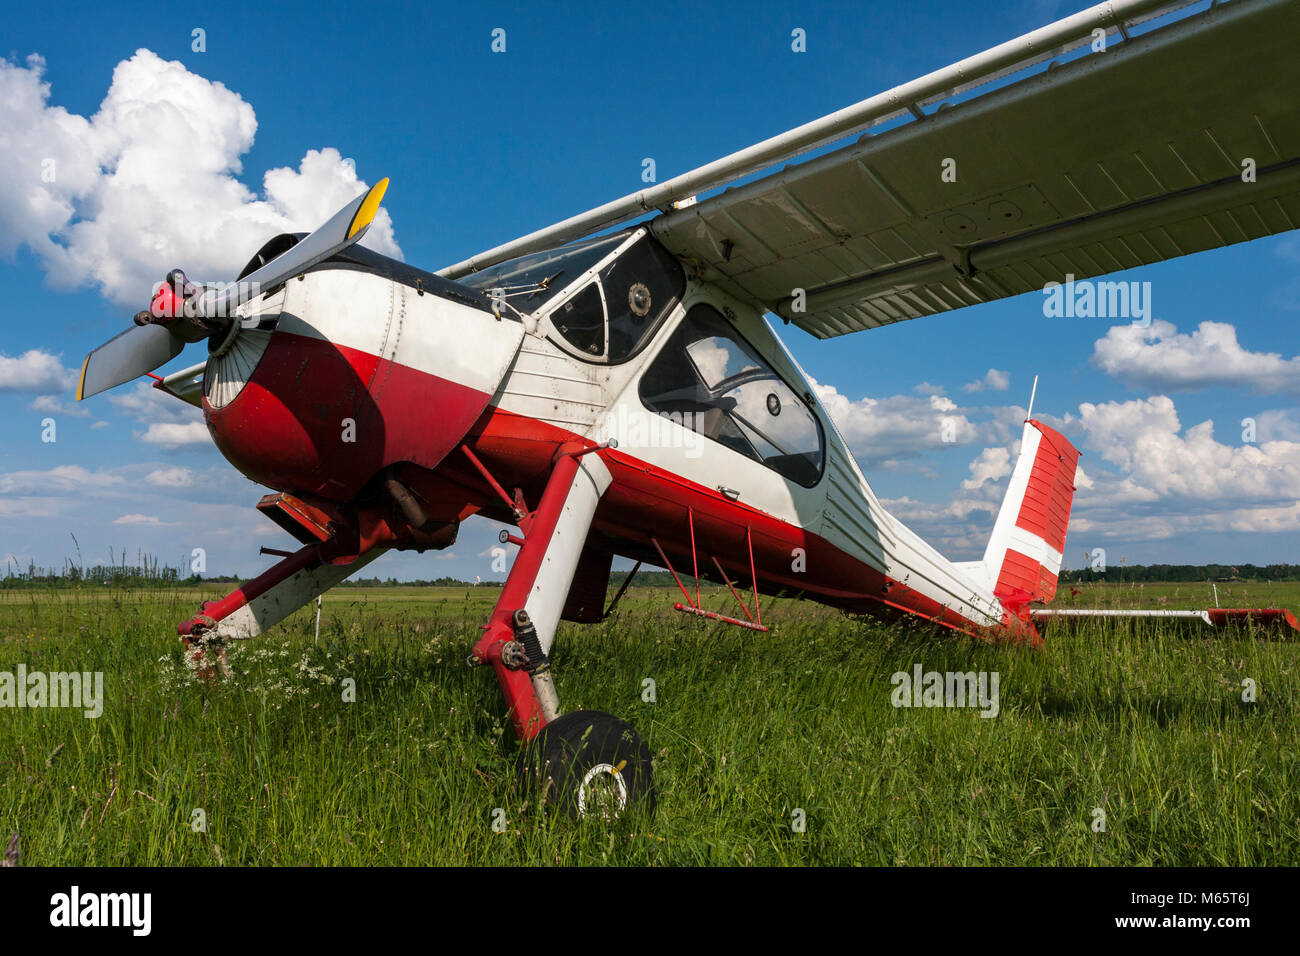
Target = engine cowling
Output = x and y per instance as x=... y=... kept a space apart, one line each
x=342 y=372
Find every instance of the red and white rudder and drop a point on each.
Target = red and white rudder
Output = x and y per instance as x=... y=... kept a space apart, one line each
x=1024 y=554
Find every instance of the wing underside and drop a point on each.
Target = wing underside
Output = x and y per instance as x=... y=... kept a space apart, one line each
x=1178 y=140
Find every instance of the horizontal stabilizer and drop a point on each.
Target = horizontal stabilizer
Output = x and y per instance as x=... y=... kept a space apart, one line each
x=1272 y=618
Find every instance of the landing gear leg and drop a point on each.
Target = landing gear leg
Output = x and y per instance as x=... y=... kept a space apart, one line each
x=586 y=759
x=258 y=605
x=270 y=597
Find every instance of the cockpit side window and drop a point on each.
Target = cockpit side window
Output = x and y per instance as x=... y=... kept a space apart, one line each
x=717 y=384
x=581 y=320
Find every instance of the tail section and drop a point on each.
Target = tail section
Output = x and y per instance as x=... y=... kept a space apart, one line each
x=1024 y=554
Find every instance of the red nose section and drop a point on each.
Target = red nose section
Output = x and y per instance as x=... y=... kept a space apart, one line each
x=323 y=419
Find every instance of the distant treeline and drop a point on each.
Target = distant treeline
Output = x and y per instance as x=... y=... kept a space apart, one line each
x=435 y=583
x=1174 y=573
x=653 y=579
x=149 y=572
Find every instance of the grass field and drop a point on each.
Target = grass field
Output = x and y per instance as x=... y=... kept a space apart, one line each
x=1145 y=722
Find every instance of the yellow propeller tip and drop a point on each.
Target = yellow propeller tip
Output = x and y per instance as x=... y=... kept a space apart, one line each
x=81 y=382
x=369 y=207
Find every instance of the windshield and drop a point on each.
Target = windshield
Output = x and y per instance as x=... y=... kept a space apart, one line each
x=530 y=281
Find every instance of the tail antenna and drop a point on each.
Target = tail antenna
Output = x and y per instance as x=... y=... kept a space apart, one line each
x=1034 y=391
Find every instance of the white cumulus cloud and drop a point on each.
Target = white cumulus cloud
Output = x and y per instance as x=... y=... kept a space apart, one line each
x=1145 y=439
x=896 y=426
x=36 y=370
x=992 y=464
x=174 y=477
x=150 y=180
x=174 y=436
x=1161 y=358
x=53 y=405
x=994 y=380
x=169 y=423
x=1278 y=424
x=153 y=520
x=60 y=478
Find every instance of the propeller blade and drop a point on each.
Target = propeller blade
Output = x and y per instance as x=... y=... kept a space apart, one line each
x=144 y=348
x=138 y=350
x=344 y=228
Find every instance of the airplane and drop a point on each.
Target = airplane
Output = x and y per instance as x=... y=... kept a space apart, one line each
x=610 y=386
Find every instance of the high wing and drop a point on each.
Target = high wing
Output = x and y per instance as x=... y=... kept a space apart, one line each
x=1112 y=160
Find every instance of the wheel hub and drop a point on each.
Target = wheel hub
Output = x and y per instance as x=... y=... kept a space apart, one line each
x=604 y=790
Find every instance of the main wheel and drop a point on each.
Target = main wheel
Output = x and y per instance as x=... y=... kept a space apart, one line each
x=589 y=764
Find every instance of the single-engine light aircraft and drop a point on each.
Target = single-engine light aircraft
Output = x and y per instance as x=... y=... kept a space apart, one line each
x=564 y=383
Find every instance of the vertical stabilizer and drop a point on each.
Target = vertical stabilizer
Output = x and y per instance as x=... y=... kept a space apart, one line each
x=1024 y=554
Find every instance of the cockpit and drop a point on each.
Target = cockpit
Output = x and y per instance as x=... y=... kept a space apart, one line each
x=601 y=299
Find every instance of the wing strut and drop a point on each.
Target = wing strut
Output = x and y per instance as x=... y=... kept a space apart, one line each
x=692 y=605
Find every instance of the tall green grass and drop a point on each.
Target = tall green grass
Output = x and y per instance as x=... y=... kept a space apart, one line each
x=1145 y=722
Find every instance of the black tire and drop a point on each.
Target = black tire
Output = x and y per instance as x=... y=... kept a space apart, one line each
x=589 y=764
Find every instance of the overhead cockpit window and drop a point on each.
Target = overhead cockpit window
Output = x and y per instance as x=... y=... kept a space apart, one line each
x=529 y=282
x=715 y=383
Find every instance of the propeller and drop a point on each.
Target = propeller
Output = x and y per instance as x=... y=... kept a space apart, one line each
x=181 y=312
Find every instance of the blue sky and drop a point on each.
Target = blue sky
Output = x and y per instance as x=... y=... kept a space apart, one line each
x=482 y=147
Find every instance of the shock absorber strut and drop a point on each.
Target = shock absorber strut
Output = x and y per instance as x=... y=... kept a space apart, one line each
x=537 y=664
